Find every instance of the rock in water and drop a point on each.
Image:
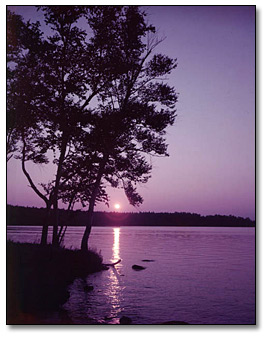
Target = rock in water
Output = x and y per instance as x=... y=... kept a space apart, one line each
x=136 y=267
x=125 y=320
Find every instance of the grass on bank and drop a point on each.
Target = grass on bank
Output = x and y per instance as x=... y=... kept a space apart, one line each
x=38 y=278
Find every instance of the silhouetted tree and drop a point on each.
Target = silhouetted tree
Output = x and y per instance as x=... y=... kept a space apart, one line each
x=92 y=102
x=55 y=81
x=26 y=92
x=128 y=123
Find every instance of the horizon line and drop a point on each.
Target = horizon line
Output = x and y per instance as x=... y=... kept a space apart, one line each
x=139 y=212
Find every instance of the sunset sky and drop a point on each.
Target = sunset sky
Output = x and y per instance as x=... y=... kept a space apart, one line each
x=211 y=168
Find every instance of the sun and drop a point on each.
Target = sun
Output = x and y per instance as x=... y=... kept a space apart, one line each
x=117 y=206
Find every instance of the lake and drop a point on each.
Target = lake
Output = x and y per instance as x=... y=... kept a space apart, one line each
x=200 y=275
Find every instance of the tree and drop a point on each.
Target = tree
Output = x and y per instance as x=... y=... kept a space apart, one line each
x=55 y=81
x=93 y=99
x=25 y=95
x=128 y=124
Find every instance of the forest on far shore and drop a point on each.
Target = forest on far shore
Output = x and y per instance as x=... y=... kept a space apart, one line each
x=17 y=215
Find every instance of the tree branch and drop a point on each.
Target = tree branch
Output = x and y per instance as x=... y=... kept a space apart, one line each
x=33 y=186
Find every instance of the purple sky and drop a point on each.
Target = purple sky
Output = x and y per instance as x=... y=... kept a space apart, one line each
x=211 y=168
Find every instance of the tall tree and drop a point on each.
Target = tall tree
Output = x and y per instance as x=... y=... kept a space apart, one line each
x=129 y=122
x=25 y=95
x=63 y=74
x=94 y=99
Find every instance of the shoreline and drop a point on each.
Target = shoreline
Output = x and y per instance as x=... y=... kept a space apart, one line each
x=38 y=279
x=17 y=215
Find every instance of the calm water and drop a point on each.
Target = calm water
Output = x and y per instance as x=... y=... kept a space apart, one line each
x=199 y=275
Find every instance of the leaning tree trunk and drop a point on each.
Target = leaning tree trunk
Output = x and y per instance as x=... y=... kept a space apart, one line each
x=88 y=227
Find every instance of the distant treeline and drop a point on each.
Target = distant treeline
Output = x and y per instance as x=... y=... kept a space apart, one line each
x=35 y=216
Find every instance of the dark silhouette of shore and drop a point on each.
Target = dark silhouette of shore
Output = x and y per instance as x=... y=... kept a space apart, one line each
x=17 y=215
x=38 y=278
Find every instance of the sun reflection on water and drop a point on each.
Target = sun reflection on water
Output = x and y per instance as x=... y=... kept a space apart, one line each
x=114 y=288
x=116 y=248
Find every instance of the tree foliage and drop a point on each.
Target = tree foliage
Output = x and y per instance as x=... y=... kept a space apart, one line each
x=93 y=95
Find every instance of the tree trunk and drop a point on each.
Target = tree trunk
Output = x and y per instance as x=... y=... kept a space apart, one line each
x=88 y=227
x=44 y=235
x=55 y=240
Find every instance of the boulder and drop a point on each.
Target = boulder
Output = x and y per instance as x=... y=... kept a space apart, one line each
x=136 y=267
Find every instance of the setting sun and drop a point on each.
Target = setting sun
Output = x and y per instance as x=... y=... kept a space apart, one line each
x=117 y=206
